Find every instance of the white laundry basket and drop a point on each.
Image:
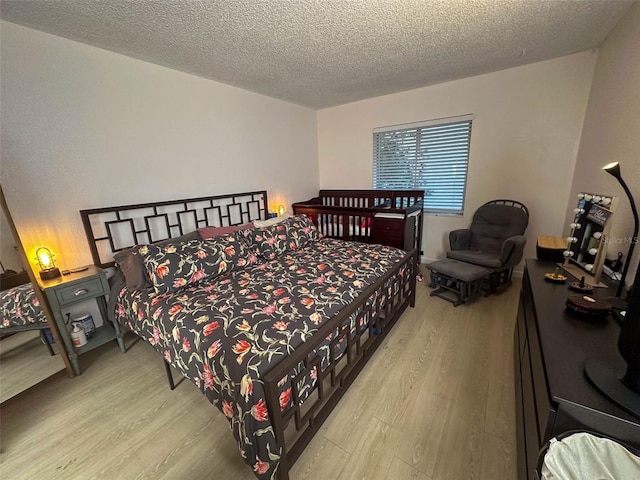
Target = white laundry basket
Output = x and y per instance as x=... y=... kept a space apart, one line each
x=587 y=456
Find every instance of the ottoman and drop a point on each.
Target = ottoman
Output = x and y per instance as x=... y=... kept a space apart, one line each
x=456 y=281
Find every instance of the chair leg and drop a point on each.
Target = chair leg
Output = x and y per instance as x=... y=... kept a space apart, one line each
x=499 y=281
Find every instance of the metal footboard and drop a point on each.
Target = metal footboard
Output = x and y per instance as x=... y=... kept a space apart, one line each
x=375 y=311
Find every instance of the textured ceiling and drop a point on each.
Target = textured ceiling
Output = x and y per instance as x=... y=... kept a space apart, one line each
x=321 y=53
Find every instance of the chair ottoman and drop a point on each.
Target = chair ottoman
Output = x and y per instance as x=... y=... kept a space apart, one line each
x=455 y=281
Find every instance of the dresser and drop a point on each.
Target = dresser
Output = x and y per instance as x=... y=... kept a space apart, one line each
x=552 y=393
x=394 y=232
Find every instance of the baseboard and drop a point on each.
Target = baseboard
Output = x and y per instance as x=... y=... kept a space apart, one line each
x=424 y=260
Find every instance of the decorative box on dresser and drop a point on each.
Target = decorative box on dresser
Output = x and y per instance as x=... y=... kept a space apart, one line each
x=69 y=290
x=553 y=395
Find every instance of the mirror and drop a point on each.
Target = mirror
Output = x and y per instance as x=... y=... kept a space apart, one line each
x=587 y=236
x=29 y=342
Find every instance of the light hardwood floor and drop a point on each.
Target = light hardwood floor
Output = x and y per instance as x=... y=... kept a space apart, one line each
x=435 y=402
x=25 y=362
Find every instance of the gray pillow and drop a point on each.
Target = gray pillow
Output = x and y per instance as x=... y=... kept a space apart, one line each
x=132 y=267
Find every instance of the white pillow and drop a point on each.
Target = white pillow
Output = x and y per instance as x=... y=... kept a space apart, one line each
x=271 y=221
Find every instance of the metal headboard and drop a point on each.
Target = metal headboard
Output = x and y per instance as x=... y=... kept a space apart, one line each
x=112 y=229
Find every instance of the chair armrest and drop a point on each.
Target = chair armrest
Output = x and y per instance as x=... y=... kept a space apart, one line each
x=460 y=239
x=513 y=250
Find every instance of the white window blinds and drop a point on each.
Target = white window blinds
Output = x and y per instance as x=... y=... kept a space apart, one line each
x=432 y=156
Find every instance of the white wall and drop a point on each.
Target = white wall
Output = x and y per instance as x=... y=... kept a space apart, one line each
x=612 y=130
x=524 y=140
x=8 y=252
x=85 y=128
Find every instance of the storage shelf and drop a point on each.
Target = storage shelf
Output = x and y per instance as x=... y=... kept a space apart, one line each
x=89 y=283
x=102 y=335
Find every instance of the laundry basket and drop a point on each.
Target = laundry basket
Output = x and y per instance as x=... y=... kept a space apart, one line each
x=587 y=456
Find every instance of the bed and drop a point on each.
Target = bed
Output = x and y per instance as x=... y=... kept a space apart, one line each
x=387 y=217
x=276 y=325
x=21 y=309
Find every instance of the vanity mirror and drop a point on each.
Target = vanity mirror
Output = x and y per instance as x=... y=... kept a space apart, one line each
x=586 y=249
x=26 y=358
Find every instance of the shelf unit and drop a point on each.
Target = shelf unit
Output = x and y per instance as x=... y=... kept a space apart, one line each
x=69 y=290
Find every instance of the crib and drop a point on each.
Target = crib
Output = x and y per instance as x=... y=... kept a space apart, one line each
x=387 y=217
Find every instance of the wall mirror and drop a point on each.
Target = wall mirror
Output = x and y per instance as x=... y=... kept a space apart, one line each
x=26 y=356
x=588 y=232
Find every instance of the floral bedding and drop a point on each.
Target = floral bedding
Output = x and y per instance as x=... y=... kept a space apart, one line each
x=226 y=332
x=20 y=307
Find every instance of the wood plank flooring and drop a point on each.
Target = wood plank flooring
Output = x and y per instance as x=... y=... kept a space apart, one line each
x=25 y=362
x=435 y=402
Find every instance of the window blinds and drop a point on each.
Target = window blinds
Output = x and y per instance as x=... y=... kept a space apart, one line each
x=432 y=156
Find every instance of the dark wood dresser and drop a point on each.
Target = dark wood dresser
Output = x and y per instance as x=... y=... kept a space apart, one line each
x=394 y=232
x=552 y=393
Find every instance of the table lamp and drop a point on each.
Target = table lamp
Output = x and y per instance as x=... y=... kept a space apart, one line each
x=48 y=269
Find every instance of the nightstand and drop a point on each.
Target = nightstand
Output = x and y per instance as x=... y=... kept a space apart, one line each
x=69 y=290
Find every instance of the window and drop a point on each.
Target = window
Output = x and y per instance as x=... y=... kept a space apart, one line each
x=432 y=156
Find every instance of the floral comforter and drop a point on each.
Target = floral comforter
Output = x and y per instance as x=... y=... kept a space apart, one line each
x=226 y=333
x=20 y=306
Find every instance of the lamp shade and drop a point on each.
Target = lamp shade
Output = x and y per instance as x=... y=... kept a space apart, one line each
x=46 y=262
x=613 y=168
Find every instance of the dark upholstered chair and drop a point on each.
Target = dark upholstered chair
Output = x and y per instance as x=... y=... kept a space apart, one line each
x=495 y=239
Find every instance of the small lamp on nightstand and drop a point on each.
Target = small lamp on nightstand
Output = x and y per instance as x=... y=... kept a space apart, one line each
x=46 y=263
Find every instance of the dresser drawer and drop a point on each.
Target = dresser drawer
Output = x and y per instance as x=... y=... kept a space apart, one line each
x=389 y=226
x=387 y=231
x=89 y=288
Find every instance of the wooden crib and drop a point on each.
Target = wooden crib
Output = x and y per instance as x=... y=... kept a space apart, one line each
x=387 y=217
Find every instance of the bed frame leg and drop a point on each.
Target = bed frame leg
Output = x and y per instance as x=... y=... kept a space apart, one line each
x=44 y=339
x=283 y=469
x=167 y=368
x=412 y=279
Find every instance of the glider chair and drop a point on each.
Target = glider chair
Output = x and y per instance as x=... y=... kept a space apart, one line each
x=495 y=240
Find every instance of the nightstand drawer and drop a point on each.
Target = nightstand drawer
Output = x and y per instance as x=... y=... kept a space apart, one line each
x=74 y=293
